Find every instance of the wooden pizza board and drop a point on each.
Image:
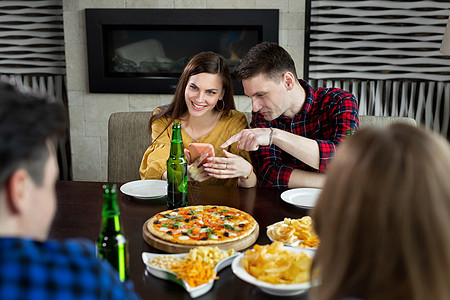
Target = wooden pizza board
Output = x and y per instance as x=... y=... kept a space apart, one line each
x=179 y=248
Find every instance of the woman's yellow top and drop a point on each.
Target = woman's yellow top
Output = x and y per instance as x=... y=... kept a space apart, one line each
x=153 y=163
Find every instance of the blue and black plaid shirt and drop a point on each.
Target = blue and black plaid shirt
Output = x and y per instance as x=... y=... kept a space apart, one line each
x=57 y=270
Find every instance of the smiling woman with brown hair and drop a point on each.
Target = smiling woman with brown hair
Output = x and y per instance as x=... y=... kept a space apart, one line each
x=204 y=105
x=383 y=218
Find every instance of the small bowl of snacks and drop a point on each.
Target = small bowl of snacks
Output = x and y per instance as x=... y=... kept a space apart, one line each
x=194 y=271
x=276 y=269
x=294 y=232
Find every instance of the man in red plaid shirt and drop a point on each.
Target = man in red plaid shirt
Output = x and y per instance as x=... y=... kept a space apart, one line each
x=295 y=128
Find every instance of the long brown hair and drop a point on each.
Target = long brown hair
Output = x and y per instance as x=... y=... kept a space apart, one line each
x=383 y=217
x=204 y=62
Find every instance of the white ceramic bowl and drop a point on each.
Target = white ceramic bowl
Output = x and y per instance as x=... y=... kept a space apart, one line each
x=270 y=288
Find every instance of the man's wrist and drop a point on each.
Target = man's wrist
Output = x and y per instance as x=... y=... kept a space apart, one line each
x=270 y=136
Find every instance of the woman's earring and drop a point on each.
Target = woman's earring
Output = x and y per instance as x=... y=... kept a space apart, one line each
x=223 y=105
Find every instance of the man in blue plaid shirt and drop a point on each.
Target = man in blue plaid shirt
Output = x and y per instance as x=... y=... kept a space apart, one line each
x=32 y=267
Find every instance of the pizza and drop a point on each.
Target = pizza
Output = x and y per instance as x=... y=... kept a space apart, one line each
x=202 y=225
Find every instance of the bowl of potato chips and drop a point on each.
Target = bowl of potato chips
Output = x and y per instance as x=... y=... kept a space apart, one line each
x=276 y=269
x=194 y=271
x=294 y=232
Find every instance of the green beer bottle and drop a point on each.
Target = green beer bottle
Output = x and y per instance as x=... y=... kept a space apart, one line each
x=176 y=171
x=112 y=245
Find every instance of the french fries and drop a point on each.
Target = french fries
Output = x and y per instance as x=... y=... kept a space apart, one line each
x=270 y=263
x=210 y=255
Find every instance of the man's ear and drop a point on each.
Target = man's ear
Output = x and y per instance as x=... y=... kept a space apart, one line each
x=17 y=190
x=289 y=80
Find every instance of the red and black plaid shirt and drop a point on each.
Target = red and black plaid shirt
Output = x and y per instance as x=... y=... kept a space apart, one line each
x=325 y=116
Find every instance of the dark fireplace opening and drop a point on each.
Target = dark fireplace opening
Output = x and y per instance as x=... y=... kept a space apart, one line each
x=146 y=50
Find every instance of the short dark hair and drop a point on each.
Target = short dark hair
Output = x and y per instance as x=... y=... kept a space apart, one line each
x=27 y=123
x=266 y=58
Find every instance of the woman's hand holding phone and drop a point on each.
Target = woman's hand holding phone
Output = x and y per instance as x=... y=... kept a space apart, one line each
x=198 y=150
x=196 y=157
x=202 y=165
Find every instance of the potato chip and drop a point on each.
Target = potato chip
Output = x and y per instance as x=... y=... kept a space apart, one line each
x=270 y=263
x=301 y=229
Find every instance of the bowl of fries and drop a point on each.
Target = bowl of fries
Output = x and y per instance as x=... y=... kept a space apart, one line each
x=276 y=269
x=194 y=271
x=294 y=232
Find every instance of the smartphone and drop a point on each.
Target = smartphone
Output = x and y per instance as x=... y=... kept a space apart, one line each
x=198 y=149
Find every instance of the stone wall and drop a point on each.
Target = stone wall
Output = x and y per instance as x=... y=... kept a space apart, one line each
x=89 y=113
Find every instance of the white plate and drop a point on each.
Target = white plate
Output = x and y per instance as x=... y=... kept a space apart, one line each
x=294 y=244
x=145 y=189
x=271 y=288
x=166 y=274
x=301 y=197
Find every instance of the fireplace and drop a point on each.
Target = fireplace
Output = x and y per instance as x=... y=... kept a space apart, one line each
x=145 y=50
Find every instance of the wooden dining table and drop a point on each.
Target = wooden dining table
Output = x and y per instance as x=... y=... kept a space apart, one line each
x=79 y=216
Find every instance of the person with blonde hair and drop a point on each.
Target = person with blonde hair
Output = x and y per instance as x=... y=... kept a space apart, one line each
x=383 y=218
